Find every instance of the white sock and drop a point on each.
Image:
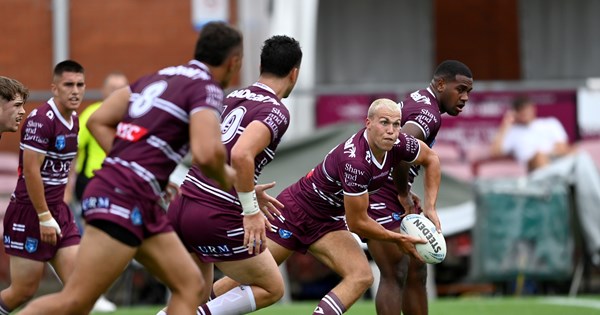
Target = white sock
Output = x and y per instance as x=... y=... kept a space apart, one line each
x=239 y=300
x=161 y=312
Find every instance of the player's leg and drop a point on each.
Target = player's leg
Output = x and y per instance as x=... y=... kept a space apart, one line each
x=100 y=260
x=414 y=300
x=260 y=274
x=25 y=277
x=166 y=258
x=393 y=267
x=207 y=272
x=340 y=252
x=64 y=262
x=279 y=254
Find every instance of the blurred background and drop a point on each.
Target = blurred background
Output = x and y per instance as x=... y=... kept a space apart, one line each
x=354 y=52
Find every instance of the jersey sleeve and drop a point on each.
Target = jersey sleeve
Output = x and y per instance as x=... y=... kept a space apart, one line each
x=426 y=120
x=276 y=118
x=406 y=149
x=205 y=96
x=38 y=132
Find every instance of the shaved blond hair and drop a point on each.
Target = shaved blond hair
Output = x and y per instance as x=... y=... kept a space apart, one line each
x=382 y=103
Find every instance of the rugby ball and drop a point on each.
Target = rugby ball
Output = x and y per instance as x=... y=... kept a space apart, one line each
x=432 y=252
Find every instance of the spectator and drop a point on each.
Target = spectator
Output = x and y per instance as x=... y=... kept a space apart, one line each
x=531 y=140
x=542 y=144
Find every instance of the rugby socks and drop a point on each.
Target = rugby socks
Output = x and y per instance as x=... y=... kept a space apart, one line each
x=4 y=310
x=330 y=304
x=239 y=300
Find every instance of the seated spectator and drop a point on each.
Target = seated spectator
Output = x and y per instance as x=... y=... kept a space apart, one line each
x=531 y=140
x=542 y=144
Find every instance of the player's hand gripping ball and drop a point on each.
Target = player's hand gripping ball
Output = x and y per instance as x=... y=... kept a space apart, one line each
x=432 y=252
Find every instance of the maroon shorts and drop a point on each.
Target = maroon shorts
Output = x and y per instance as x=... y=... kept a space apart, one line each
x=213 y=234
x=387 y=214
x=141 y=216
x=299 y=230
x=22 y=231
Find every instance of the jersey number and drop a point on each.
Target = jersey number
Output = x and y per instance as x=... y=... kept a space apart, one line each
x=231 y=124
x=144 y=102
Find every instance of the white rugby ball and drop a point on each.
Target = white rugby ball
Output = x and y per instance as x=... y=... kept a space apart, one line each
x=432 y=252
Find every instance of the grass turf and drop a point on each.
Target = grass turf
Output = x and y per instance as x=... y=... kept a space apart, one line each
x=443 y=306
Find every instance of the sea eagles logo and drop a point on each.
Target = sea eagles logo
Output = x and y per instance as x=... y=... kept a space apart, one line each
x=349 y=147
x=60 y=142
x=136 y=216
x=285 y=234
x=31 y=245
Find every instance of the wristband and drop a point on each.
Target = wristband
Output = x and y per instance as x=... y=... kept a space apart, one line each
x=249 y=202
x=51 y=223
x=43 y=214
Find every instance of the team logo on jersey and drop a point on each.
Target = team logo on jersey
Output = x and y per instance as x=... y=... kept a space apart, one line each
x=60 y=143
x=284 y=233
x=31 y=245
x=136 y=216
x=396 y=216
x=6 y=239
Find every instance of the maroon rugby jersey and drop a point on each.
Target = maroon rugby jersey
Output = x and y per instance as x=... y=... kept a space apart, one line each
x=349 y=169
x=47 y=132
x=257 y=102
x=421 y=108
x=153 y=136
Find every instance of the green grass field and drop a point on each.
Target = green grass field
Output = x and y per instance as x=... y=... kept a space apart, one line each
x=445 y=306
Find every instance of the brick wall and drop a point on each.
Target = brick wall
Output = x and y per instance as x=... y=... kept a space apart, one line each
x=133 y=36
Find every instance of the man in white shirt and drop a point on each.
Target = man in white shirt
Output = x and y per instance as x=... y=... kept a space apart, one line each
x=532 y=141
x=542 y=144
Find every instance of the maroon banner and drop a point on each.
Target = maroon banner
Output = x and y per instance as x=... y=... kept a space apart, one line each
x=476 y=125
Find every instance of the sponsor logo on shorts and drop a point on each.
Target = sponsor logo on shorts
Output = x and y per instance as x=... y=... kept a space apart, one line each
x=31 y=244
x=95 y=202
x=285 y=234
x=60 y=142
x=136 y=216
x=396 y=216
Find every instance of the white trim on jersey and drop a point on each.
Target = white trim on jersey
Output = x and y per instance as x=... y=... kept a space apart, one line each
x=325 y=197
x=163 y=146
x=54 y=181
x=377 y=205
x=139 y=171
x=172 y=109
x=373 y=159
x=356 y=194
x=58 y=114
x=212 y=190
x=418 y=125
x=61 y=156
x=384 y=220
x=28 y=147
x=269 y=152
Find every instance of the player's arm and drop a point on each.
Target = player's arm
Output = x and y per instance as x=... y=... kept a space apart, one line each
x=360 y=223
x=255 y=138
x=400 y=172
x=32 y=163
x=102 y=124
x=208 y=152
x=433 y=174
